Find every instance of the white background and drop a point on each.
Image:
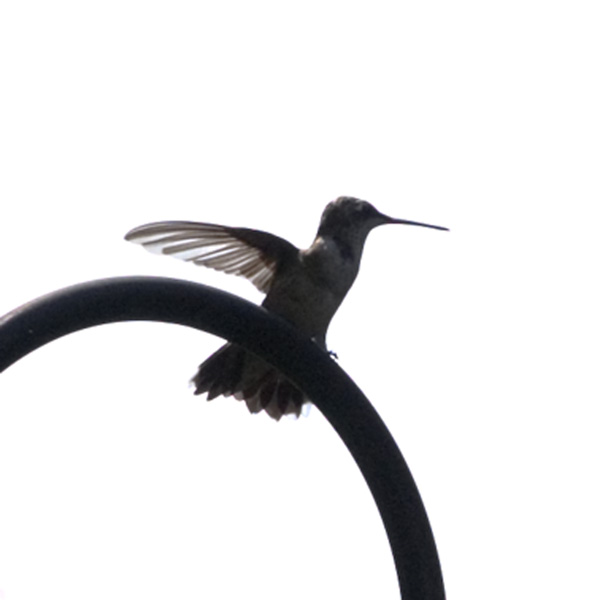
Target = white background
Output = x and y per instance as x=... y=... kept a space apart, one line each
x=478 y=347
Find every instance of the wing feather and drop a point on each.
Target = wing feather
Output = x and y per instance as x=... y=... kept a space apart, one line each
x=255 y=255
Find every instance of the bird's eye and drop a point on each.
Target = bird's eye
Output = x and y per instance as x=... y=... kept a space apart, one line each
x=365 y=210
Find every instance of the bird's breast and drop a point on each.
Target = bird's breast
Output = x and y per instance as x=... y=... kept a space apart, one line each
x=309 y=294
x=332 y=265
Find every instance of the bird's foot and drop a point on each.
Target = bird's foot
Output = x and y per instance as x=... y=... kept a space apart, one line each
x=332 y=354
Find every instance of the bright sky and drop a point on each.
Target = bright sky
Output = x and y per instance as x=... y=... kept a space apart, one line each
x=478 y=347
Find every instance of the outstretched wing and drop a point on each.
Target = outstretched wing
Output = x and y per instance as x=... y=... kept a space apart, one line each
x=253 y=254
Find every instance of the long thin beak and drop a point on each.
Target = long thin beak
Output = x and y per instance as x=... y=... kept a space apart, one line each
x=404 y=222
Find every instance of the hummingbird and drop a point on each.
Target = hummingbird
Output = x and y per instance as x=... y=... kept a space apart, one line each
x=304 y=287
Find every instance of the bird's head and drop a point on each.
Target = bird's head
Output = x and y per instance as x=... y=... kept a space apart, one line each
x=353 y=219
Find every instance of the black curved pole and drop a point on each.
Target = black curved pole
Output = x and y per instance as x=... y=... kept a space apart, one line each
x=332 y=391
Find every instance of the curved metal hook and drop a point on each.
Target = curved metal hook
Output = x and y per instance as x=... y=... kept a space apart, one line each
x=332 y=391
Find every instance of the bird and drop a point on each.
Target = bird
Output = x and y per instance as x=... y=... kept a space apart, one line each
x=304 y=287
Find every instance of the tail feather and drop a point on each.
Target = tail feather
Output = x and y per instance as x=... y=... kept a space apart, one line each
x=232 y=371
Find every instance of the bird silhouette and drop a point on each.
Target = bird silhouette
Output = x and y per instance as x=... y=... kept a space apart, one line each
x=305 y=287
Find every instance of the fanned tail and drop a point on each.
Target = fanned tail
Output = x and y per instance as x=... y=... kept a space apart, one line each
x=233 y=371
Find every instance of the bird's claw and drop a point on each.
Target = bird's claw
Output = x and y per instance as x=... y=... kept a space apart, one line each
x=332 y=354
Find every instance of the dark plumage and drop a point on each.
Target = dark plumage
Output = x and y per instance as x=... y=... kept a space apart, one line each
x=305 y=287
